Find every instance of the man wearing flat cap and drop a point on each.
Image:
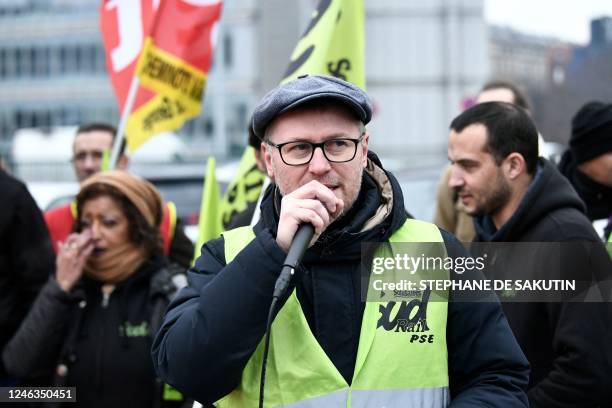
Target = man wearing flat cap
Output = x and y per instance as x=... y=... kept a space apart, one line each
x=329 y=347
x=588 y=162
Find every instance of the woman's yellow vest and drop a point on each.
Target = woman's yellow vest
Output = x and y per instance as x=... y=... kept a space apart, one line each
x=402 y=366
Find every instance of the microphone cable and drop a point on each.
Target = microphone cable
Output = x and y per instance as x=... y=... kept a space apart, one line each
x=296 y=251
x=262 y=380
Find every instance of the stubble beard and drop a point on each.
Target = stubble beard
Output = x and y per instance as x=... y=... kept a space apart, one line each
x=349 y=201
x=496 y=199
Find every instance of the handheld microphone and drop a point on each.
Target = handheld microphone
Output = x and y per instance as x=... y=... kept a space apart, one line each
x=300 y=242
x=298 y=246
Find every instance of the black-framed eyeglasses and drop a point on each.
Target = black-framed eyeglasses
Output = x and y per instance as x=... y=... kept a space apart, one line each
x=301 y=152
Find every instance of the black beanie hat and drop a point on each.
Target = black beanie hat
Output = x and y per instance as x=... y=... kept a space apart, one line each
x=591 y=131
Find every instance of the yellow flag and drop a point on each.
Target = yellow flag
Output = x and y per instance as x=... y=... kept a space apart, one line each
x=244 y=189
x=210 y=218
x=333 y=44
x=174 y=102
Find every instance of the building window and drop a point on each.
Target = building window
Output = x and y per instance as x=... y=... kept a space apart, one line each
x=42 y=62
x=33 y=57
x=228 y=50
x=100 y=59
x=11 y=62
x=209 y=128
x=2 y=63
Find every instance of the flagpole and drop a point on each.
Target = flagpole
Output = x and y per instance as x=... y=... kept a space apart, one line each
x=127 y=108
x=131 y=98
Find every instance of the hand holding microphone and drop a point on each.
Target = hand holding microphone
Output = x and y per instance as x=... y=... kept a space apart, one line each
x=312 y=203
x=305 y=214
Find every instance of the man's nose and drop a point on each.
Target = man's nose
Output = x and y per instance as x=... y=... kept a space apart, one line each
x=319 y=163
x=455 y=180
x=91 y=162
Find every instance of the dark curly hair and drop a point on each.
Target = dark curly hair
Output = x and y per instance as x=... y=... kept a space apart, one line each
x=140 y=231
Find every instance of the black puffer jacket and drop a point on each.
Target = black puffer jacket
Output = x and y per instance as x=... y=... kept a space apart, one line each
x=99 y=345
x=26 y=255
x=214 y=325
x=567 y=344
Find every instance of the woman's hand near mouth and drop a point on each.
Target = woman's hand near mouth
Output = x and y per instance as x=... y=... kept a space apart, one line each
x=72 y=257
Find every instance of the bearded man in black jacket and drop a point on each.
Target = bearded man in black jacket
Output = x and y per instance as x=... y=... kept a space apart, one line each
x=315 y=147
x=516 y=197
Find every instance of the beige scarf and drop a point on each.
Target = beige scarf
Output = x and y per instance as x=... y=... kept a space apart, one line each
x=116 y=265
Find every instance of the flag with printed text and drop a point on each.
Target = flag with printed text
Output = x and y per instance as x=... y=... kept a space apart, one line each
x=168 y=45
x=332 y=44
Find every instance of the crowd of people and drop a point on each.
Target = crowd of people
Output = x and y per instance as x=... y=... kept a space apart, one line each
x=101 y=294
x=85 y=285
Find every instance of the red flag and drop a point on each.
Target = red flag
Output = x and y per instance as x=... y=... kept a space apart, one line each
x=124 y=25
x=169 y=48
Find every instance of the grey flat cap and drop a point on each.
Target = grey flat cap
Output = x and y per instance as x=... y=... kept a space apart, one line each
x=307 y=88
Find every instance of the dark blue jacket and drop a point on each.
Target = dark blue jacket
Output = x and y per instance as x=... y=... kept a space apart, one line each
x=214 y=325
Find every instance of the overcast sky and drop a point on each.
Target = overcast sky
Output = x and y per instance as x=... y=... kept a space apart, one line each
x=565 y=19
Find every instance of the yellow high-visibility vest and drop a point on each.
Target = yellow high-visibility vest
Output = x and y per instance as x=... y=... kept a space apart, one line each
x=402 y=367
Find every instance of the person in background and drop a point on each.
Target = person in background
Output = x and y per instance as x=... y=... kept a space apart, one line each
x=92 y=323
x=90 y=142
x=330 y=348
x=255 y=143
x=449 y=212
x=245 y=217
x=587 y=163
x=517 y=197
x=26 y=258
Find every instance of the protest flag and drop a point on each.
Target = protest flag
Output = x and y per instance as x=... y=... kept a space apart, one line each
x=158 y=60
x=245 y=188
x=332 y=44
x=210 y=218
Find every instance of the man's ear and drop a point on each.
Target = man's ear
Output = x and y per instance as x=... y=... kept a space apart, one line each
x=265 y=153
x=261 y=164
x=364 y=147
x=123 y=162
x=514 y=165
